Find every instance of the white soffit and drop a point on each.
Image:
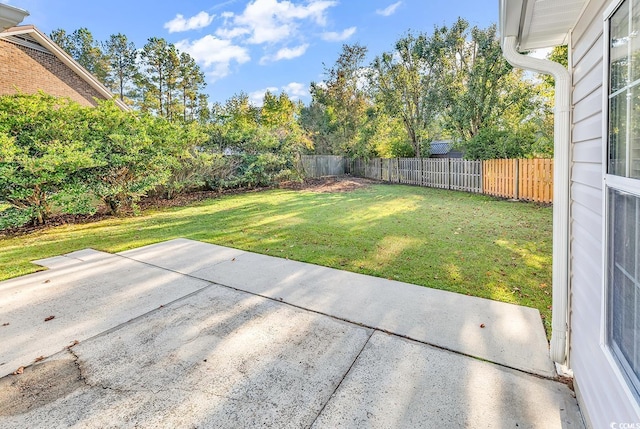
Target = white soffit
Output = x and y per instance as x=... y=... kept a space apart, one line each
x=547 y=23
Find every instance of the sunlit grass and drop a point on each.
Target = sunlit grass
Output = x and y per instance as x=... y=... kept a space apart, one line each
x=466 y=243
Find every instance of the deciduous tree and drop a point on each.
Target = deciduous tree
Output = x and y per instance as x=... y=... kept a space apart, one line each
x=344 y=101
x=408 y=82
x=486 y=90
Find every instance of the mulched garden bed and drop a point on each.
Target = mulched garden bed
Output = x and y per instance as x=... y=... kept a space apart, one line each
x=322 y=185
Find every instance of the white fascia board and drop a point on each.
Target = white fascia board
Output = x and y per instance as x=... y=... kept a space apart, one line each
x=510 y=17
x=535 y=26
x=67 y=60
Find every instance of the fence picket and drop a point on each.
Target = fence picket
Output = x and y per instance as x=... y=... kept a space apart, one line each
x=526 y=179
x=536 y=180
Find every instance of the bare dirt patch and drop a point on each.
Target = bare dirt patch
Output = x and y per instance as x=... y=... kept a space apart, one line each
x=330 y=184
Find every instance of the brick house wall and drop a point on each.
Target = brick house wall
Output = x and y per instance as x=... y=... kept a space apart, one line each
x=29 y=70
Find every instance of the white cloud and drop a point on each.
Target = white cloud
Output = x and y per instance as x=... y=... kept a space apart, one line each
x=334 y=36
x=270 y=21
x=296 y=90
x=362 y=81
x=179 y=23
x=231 y=33
x=389 y=10
x=214 y=54
x=285 y=54
x=322 y=84
x=257 y=97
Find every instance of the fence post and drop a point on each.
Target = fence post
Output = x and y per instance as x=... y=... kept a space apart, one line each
x=517 y=180
x=448 y=172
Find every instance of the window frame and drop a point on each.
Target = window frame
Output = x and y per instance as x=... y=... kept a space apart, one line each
x=612 y=182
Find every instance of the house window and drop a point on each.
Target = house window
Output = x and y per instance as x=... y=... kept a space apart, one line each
x=623 y=192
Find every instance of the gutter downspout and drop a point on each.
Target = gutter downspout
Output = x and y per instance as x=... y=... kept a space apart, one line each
x=561 y=151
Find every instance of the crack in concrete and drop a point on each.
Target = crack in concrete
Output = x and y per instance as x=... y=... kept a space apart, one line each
x=83 y=378
x=76 y=362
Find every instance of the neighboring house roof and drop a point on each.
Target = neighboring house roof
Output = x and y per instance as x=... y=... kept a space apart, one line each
x=30 y=36
x=539 y=23
x=441 y=147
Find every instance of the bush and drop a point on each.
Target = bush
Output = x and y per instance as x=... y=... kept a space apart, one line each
x=137 y=153
x=196 y=170
x=221 y=169
x=13 y=217
x=491 y=143
x=58 y=155
x=263 y=169
x=43 y=154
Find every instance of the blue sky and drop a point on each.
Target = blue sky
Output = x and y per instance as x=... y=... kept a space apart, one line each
x=254 y=45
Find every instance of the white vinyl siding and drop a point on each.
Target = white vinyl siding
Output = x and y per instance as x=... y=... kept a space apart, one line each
x=601 y=394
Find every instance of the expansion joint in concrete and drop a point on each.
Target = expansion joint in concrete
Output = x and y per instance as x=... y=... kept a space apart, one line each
x=344 y=376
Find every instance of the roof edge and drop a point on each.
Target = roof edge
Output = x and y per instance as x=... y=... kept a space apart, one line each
x=525 y=20
x=510 y=17
x=59 y=53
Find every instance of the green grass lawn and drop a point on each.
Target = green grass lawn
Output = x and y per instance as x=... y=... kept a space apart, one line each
x=466 y=243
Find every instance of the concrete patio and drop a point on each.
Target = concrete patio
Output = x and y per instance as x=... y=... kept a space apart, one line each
x=189 y=334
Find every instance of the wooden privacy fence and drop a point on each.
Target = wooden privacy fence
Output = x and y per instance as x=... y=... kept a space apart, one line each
x=499 y=178
x=535 y=180
x=444 y=173
x=524 y=179
x=323 y=165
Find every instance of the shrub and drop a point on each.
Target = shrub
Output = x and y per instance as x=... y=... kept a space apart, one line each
x=492 y=143
x=136 y=153
x=42 y=154
x=256 y=170
x=195 y=170
x=221 y=169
